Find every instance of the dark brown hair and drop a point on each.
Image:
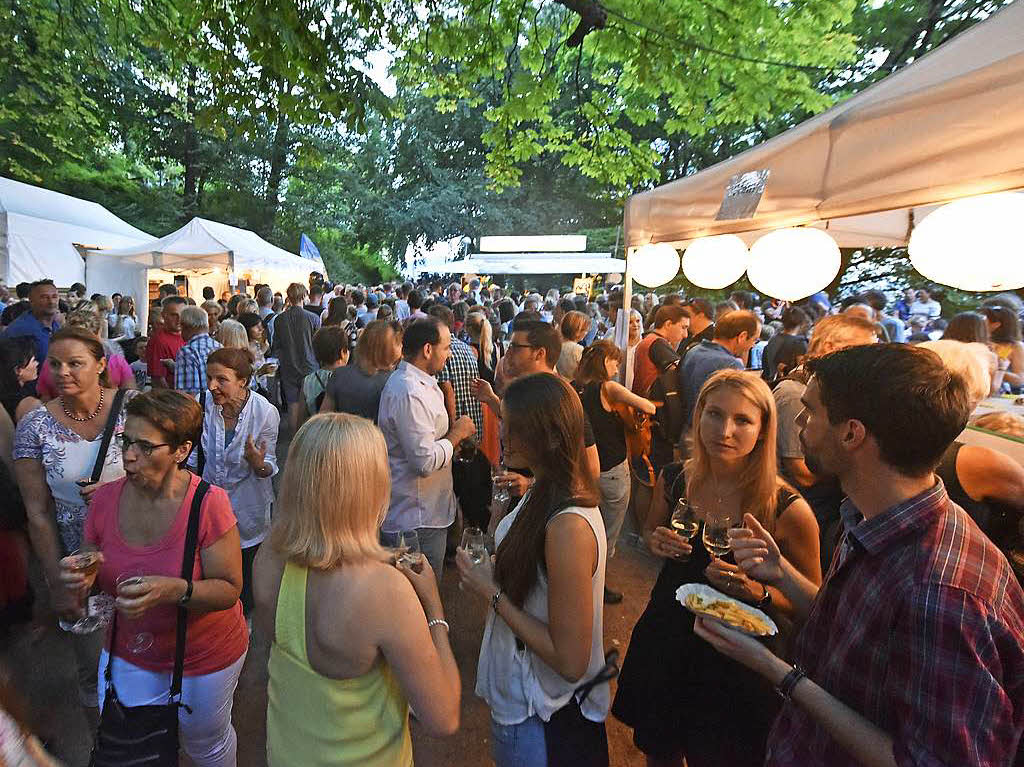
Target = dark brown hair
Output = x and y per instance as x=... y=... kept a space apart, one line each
x=967 y=327
x=328 y=344
x=592 y=368
x=905 y=396
x=1009 y=323
x=239 y=360
x=91 y=341
x=176 y=415
x=541 y=335
x=670 y=313
x=549 y=415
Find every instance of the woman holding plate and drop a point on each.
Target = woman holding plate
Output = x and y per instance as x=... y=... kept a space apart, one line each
x=685 y=701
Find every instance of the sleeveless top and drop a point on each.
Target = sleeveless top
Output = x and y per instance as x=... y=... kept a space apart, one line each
x=516 y=683
x=315 y=721
x=608 y=429
x=979 y=511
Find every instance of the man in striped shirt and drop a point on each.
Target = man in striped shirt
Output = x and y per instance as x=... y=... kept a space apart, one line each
x=190 y=361
x=912 y=650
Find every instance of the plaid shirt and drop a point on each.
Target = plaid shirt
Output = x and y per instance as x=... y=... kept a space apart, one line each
x=919 y=627
x=461 y=368
x=190 y=363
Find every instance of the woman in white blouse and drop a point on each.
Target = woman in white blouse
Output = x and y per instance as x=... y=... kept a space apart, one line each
x=238 y=450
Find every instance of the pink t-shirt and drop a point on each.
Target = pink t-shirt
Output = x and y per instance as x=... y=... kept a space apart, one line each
x=214 y=640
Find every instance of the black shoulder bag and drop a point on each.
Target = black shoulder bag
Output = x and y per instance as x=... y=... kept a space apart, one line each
x=148 y=734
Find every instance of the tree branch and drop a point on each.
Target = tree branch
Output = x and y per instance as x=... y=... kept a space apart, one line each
x=592 y=16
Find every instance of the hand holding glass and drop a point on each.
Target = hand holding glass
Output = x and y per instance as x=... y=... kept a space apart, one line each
x=500 y=493
x=684 y=519
x=716 y=533
x=474 y=541
x=87 y=564
x=142 y=641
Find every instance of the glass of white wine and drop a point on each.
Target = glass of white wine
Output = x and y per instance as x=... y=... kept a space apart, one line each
x=474 y=541
x=409 y=544
x=684 y=519
x=716 y=533
x=500 y=493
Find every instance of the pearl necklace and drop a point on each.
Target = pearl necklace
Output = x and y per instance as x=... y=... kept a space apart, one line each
x=74 y=417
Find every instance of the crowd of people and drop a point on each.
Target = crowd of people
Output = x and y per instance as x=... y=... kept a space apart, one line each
x=507 y=435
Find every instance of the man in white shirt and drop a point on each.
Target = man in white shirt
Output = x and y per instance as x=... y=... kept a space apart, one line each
x=924 y=306
x=421 y=440
x=402 y=310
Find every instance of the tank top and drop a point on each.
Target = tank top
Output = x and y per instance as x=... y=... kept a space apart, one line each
x=515 y=682
x=315 y=721
x=608 y=429
x=979 y=511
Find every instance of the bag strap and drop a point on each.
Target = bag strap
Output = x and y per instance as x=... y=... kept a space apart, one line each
x=187 y=567
x=201 y=458
x=108 y=434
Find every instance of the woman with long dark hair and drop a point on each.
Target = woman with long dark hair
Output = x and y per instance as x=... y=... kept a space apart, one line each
x=542 y=643
x=1004 y=327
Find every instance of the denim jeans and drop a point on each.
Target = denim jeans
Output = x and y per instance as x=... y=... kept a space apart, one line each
x=433 y=541
x=519 y=745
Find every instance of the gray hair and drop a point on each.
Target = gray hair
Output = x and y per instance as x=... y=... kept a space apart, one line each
x=195 y=317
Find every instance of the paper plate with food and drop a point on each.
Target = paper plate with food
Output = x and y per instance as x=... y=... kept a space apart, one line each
x=710 y=603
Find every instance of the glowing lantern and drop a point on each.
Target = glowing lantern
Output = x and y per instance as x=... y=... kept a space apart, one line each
x=653 y=265
x=715 y=262
x=790 y=264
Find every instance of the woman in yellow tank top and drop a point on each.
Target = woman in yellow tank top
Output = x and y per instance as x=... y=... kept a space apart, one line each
x=354 y=636
x=1004 y=327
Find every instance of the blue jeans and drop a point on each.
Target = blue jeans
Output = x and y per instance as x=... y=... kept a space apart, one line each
x=433 y=541
x=519 y=745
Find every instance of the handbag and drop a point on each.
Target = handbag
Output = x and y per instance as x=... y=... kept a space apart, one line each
x=148 y=735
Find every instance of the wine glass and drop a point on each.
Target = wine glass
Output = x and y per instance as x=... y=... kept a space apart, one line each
x=466 y=452
x=474 y=541
x=87 y=563
x=684 y=519
x=143 y=640
x=410 y=554
x=716 y=533
x=500 y=494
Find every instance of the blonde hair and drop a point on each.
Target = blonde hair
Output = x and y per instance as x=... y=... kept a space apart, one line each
x=233 y=335
x=479 y=329
x=760 y=480
x=838 y=331
x=334 y=493
x=966 y=362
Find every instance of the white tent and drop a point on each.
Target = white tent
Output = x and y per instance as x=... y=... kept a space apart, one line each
x=205 y=250
x=947 y=126
x=535 y=263
x=40 y=229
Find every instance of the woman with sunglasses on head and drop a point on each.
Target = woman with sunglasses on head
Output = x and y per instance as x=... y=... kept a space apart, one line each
x=139 y=524
x=56 y=447
x=684 y=701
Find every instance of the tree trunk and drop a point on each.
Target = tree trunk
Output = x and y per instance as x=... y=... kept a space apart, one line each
x=190 y=155
x=278 y=160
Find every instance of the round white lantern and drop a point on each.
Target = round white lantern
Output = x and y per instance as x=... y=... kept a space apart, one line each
x=974 y=244
x=613 y=279
x=790 y=264
x=715 y=262
x=653 y=265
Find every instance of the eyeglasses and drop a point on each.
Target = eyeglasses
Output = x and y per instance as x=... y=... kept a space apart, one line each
x=146 y=448
x=514 y=345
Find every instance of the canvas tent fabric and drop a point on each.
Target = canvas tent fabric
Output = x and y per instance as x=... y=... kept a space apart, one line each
x=535 y=263
x=39 y=230
x=949 y=125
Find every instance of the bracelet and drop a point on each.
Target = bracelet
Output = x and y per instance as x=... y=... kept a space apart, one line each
x=789 y=682
x=495 y=599
x=439 y=622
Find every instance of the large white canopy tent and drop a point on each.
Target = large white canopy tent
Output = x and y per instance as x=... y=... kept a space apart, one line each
x=207 y=251
x=536 y=263
x=40 y=229
x=947 y=126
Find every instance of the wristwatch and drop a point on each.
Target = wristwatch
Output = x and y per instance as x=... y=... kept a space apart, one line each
x=766 y=599
x=184 y=600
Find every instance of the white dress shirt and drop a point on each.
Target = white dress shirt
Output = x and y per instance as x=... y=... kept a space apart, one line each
x=414 y=421
x=251 y=496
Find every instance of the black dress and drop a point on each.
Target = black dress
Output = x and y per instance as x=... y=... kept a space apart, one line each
x=676 y=691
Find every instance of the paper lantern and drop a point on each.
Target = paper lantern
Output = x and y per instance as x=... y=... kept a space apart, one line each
x=974 y=244
x=715 y=262
x=653 y=265
x=613 y=279
x=790 y=264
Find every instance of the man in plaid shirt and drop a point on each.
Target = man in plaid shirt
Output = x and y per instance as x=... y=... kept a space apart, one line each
x=190 y=361
x=912 y=650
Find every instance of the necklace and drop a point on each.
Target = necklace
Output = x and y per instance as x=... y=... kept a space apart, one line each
x=232 y=413
x=74 y=417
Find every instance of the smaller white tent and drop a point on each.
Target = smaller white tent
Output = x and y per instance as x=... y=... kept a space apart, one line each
x=201 y=247
x=40 y=229
x=536 y=263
